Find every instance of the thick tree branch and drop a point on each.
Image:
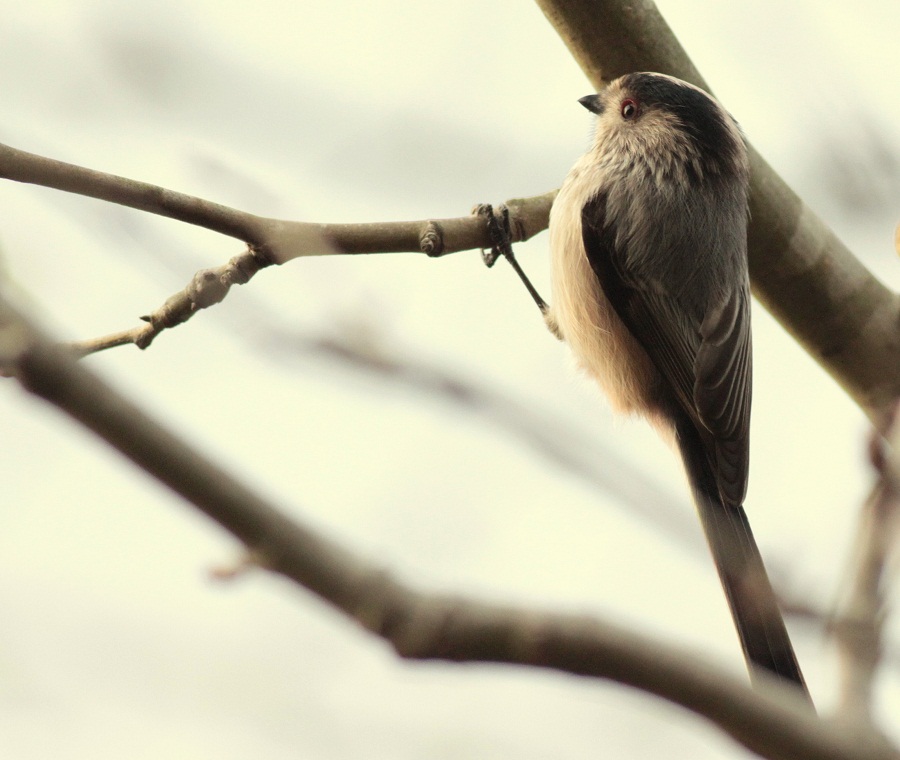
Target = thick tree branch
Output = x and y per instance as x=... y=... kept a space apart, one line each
x=770 y=721
x=842 y=315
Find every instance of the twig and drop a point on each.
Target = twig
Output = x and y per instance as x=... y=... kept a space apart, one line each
x=21 y=166
x=770 y=722
x=206 y=288
x=270 y=241
x=859 y=625
x=293 y=239
x=276 y=241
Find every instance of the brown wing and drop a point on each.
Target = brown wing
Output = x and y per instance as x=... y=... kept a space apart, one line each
x=706 y=360
x=723 y=387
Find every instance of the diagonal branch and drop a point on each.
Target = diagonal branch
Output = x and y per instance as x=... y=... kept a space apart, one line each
x=834 y=307
x=420 y=626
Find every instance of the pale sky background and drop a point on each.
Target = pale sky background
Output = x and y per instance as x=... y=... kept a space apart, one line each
x=114 y=642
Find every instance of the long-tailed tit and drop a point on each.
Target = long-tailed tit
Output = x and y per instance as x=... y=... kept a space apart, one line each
x=648 y=239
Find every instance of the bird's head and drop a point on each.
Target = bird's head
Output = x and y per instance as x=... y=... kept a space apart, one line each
x=662 y=124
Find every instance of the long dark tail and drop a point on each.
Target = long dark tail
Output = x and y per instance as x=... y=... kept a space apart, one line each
x=752 y=601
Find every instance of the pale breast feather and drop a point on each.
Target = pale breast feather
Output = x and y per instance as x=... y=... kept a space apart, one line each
x=601 y=343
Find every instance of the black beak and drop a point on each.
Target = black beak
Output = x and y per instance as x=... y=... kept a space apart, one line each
x=592 y=103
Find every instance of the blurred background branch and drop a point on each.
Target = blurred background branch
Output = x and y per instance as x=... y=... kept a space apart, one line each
x=769 y=721
x=861 y=618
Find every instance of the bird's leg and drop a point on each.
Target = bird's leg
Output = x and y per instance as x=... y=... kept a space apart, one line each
x=498 y=227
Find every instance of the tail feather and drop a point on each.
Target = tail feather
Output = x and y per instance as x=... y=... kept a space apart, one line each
x=751 y=599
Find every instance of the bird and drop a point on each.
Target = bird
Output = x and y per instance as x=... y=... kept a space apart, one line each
x=651 y=291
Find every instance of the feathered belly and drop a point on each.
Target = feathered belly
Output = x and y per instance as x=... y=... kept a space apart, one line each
x=602 y=345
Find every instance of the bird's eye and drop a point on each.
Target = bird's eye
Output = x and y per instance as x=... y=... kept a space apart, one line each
x=629 y=109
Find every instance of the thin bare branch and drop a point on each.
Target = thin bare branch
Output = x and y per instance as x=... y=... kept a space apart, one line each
x=206 y=288
x=857 y=629
x=134 y=336
x=859 y=624
x=270 y=241
x=21 y=166
x=771 y=721
x=835 y=308
x=276 y=240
